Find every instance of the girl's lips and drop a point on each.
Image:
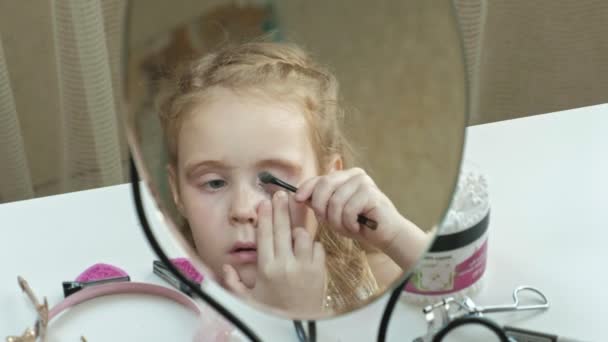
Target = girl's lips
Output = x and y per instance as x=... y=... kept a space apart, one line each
x=244 y=252
x=244 y=256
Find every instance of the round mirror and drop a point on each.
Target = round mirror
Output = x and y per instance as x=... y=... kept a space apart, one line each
x=301 y=153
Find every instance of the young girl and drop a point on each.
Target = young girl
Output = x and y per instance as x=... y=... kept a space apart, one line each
x=268 y=107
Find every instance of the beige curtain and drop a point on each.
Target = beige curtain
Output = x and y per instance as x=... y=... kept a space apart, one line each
x=531 y=57
x=15 y=182
x=77 y=113
x=60 y=79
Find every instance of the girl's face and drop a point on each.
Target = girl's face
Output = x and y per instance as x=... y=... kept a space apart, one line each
x=222 y=146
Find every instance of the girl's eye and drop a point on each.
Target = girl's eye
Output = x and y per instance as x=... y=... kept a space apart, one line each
x=215 y=184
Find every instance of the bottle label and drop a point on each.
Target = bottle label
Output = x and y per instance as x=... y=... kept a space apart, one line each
x=448 y=272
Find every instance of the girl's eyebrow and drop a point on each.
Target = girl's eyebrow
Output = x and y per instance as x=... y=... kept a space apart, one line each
x=194 y=168
x=288 y=165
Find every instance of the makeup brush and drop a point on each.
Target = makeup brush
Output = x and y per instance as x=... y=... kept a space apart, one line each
x=268 y=178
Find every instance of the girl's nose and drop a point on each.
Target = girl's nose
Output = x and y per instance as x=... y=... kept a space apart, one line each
x=244 y=205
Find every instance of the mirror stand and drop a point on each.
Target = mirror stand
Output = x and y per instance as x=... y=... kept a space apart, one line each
x=141 y=214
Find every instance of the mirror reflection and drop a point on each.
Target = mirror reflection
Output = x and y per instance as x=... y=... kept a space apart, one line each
x=305 y=151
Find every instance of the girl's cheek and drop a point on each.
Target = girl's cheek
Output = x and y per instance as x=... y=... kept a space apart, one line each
x=201 y=200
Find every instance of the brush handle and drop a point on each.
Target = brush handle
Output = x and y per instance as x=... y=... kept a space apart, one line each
x=285 y=185
x=369 y=223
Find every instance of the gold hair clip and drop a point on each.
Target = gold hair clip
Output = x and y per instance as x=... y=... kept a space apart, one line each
x=39 y=330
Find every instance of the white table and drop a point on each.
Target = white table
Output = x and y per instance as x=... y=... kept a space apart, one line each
x=548 y=185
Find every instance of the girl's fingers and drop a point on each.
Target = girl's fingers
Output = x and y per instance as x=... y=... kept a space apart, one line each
x=339 y=199
x=359 y=203
x=320 y=196
x=265 y=236
x=318 y=253
x=281 y=225
x=305 y=189
x=233 y=282
x=303 y=245
x=326 y=186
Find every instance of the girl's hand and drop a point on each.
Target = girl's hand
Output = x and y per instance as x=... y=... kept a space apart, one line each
x=288 y=278
x=339 y=197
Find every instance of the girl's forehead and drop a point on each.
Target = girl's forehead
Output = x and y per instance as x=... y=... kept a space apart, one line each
x=244 y=130
x=245 y=118
x=257 y=109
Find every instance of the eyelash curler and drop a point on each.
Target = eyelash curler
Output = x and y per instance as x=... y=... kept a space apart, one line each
x=447 y=314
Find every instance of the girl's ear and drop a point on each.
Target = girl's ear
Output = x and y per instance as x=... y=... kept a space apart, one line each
x=173 y=183
x=335 y=163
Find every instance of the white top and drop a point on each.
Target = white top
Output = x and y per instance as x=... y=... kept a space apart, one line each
x=547 y=187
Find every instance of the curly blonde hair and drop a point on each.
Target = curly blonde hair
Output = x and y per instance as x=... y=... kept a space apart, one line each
x=287 y=72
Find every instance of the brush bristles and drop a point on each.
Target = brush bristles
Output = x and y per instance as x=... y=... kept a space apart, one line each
x=266 y=177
